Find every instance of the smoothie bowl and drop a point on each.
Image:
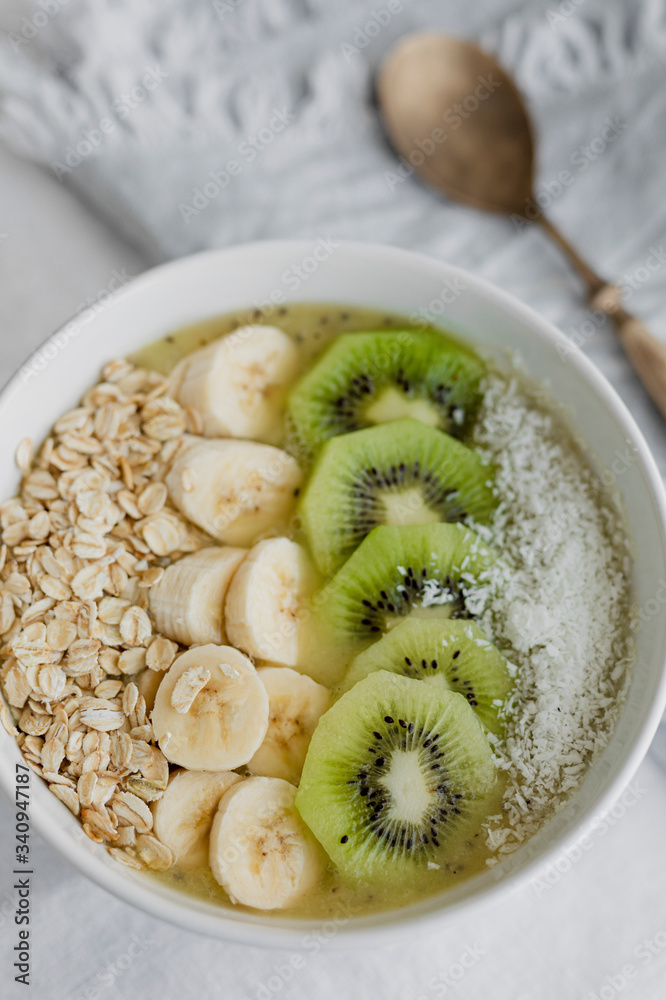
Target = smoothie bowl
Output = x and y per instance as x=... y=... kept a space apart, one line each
x=330 y=592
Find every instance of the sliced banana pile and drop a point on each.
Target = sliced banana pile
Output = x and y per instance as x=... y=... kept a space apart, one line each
x=183 y=817
x=214 y=713
x=187 y=604
x=261 y=852
x=266 y=606
x=237 y=383
x=256 y=599
x=235 y=490
x=295 y=705
x=211 y=710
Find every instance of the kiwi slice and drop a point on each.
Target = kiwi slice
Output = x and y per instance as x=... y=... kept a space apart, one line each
x=451 y=654
x=402 y=472
x=395 y=775
x=370 y=378
x=423 y=571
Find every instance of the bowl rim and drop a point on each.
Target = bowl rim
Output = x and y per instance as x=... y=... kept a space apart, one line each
x=374 y=929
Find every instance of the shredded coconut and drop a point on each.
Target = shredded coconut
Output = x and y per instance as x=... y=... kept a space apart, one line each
x=558 y=607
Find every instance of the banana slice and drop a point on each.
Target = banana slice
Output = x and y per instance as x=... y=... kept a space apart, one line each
x=266 y=602
x=211 y=710
x=295 y=705
x=261 y=852
x=183 y=817
x=238 y=383
x=234 y=490
x=187 y=604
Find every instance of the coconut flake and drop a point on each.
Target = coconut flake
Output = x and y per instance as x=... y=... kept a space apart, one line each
x=557 y=605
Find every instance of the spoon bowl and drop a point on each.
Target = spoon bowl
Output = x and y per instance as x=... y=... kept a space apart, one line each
x=459 y=120
x=457 y=117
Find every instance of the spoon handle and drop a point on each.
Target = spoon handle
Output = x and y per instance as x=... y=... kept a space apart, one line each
x=591 y=278
x=646 y=353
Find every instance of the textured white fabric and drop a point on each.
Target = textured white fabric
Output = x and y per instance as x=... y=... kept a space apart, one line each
x=230 y=63
x=220 y=72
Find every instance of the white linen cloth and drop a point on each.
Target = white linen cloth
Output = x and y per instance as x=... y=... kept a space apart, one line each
x=132 y=106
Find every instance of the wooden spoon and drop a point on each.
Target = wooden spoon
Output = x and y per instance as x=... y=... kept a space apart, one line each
x=459 y=120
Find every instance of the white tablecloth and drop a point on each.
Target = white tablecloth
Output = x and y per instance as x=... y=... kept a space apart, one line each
x=600 y=929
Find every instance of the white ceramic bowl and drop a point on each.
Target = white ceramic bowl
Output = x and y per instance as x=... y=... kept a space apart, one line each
x=198 y=287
